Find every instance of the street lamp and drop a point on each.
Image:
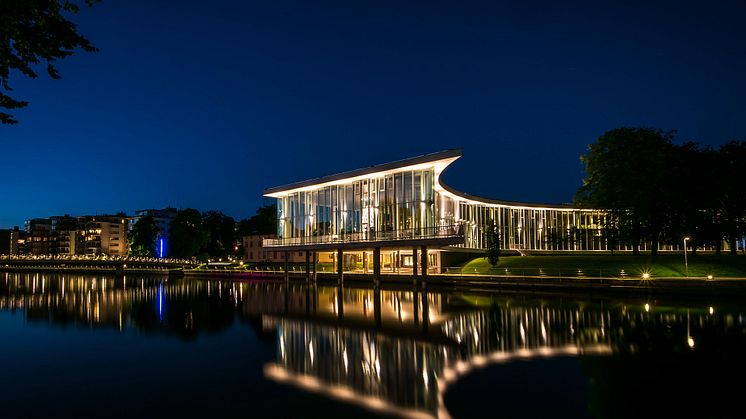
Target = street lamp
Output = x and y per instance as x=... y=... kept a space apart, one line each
x=686 y=264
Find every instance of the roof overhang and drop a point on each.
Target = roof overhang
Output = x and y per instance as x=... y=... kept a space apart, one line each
x=439 y=160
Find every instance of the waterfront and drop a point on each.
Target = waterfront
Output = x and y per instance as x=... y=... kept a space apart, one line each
x=88 y=345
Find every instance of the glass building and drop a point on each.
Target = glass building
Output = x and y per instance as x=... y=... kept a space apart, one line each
x=405 y=203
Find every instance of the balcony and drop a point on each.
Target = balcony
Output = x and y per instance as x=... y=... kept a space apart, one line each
x=450 y=233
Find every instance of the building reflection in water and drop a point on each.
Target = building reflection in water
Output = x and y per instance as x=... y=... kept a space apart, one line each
x=397 y=352
x=391 y=351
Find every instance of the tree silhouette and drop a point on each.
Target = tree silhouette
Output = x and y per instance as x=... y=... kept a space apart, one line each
x=187 y=234
x=143 y=237
x=263 y=222
x=33 y=32
x=222 y=233
x=733 y=194
x=628 y=174
x=492 y=241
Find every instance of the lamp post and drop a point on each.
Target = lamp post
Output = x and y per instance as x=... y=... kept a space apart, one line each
x=686 y=264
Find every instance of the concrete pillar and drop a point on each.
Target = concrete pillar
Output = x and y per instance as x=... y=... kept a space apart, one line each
x=423 y=249
x=414 y=265
x=308 y=265
x=377 y=264
x=313 y=274
x=287 y=267
x=340 y=266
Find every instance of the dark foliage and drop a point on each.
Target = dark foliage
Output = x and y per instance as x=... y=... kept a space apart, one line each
x=34 y=33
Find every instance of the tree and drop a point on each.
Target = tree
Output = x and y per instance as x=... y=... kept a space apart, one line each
x=32 y=32
x=263 y=222
x=221 y=230
x=187 y=234
x=492 y=242
x=628 y=174
x=693 y=197
x=732 y=197
x=143 y=237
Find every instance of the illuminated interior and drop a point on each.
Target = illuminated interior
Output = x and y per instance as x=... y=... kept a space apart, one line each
x=408 y=199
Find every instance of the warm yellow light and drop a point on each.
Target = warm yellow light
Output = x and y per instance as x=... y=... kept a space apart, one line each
x=712 y=310
x=709 y=276
x=646 y=275
x=647 y=307
x=690 y=341
x=686 y=238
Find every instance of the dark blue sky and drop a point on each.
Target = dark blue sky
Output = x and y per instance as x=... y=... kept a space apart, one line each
x=205 y=104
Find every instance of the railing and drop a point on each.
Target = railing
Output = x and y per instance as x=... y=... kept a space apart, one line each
x=545 y=272
x=439 y=232
x=92 y=258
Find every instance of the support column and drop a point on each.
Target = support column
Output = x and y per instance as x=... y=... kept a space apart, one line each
x=414 y=266
x=423 y=249
x=340 y=266
x=397 y=262
x=377 y=264
x=315 y=262
x=308 y=265
x=287 y=268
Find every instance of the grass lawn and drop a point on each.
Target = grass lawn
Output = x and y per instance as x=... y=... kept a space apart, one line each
x=700 y=266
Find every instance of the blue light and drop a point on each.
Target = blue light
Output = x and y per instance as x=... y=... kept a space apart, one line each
x=161 y=252
x=160 y=301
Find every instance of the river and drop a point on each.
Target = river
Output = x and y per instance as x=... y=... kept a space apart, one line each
x=104 y=346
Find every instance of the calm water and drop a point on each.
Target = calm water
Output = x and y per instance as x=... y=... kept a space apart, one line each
x=84 y=346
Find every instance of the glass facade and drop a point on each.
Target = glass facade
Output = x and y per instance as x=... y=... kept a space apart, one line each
x=395 y=205
x=410 y=202
x=527 y=228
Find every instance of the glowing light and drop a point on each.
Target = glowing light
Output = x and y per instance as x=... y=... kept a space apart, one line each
x=709 y=276
x=690 y=341
x=712 y=310
x=160 y=301
x=646 y=275
x=647 y=307
x=161 y=248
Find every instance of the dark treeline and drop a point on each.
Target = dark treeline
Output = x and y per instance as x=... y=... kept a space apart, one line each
x=204 y=235
x=658 y=192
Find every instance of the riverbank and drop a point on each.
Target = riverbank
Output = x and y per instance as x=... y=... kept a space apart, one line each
x=699 y=287
x=607 y=266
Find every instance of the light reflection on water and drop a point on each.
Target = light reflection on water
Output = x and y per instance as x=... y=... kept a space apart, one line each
x=398 y=351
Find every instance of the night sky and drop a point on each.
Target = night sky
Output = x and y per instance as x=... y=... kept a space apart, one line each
x=206 y=103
